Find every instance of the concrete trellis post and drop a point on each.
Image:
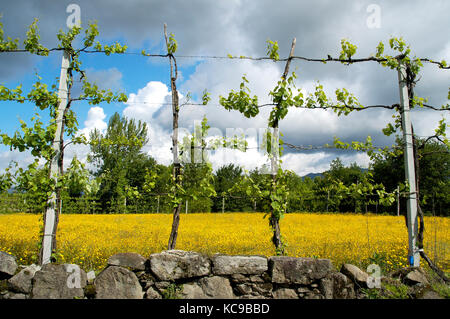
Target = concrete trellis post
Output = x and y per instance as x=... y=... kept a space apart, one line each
x=51 y=214
x=413 y=253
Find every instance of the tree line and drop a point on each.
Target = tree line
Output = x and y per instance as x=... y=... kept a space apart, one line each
x=123 y=179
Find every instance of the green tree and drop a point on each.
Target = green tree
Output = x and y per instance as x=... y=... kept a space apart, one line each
x=225 y=178
x=33 y=184
x=302 y=198
x=79 y=190
x=161 y=203
x=118 y=159
x=197 y=179
x=194 y=181
x=300 y=192
x=76 y=179
x=347 y=176
x=5 y=182
x=434 y=174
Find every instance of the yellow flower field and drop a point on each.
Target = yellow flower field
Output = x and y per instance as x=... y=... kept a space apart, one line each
x=88 y=240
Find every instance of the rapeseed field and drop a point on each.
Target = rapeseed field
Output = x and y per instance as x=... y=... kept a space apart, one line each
x=88 y=240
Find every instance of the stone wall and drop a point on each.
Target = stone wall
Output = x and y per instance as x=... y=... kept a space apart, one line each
x=186 y=275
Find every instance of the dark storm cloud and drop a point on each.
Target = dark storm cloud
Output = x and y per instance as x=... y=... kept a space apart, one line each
x=242 y=28
x=13 y=66
x=137 y=21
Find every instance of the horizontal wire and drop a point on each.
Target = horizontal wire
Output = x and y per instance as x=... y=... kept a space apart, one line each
x=231 y=57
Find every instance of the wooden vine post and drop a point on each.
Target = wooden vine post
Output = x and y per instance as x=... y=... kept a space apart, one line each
x=176 y=163
x=274 y=218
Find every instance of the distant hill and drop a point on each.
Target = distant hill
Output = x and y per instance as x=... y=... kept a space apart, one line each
x=312 y=175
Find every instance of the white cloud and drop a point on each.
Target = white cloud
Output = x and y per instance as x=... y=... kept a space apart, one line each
x=148 y=100
x=303 y=164
x=80 y=151
x=144 y=105
x=23 y=158
x=248 y=160
x=218 y=78
x=95 y=120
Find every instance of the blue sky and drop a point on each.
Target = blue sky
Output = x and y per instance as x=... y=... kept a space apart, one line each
x=238 y=27
x=132 y=72
x=135 y=72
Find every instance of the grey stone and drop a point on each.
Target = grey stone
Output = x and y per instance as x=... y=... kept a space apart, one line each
x=128 y=260
x=22 y=281
x=171 y=265
x=162 y=285
x=12 y=295
x=216 y=287
x=291 y=270
x=244 y=289
x=252 y=297
x=117 y=283
x=192 y=291
x=358 y=276
x=262 y=288
x=8 y=265
x=249 y=265
x=256 y=279
x=208 y=288
x=59 y=282
x=285 y=293
x=411 y=276
x=239 y=278
x=326 y=286
x=152 y=294
x=343 y=288
x=302 y=290
x=416 y=276
x=146 y=285
x=145 y=279
x=308 y=293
